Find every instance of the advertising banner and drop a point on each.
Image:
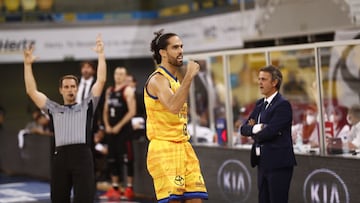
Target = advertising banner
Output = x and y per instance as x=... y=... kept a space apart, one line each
x=230 y=178
x=227 y=173
x=75 y=43
x=217 y=32
x=223 y=31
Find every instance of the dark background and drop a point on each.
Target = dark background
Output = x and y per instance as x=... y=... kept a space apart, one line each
x=18 y=105
x=13 y=97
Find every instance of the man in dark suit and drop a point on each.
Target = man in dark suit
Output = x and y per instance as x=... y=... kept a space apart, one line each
x=87 y=80
x=202 y=94
x=270 y=126
x=205 y=94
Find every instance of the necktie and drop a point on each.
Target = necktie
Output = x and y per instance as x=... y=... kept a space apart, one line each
x=83 y=92
x=263 y=107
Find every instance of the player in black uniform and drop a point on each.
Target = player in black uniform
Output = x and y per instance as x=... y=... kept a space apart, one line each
x=119 y=108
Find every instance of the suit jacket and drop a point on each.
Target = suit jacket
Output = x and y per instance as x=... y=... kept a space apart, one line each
x=140 y=112
x=275 y=138
x=201 y=96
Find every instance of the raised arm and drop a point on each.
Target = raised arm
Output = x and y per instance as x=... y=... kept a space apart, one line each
x=159 y=86
x=31 y=89
x=101 y=70
x=108 y=128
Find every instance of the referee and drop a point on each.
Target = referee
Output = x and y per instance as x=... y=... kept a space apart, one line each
x=72 y=164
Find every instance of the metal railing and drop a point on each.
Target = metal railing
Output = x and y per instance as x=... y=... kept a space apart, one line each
x=268 y=51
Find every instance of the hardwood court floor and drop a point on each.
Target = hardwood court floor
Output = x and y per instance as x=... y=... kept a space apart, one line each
x=17 y=189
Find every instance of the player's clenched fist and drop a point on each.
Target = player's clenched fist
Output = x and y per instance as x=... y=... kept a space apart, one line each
x=192 y=68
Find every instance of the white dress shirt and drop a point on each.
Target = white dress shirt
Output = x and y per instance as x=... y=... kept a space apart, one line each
x=82 y=83
x=258 y=127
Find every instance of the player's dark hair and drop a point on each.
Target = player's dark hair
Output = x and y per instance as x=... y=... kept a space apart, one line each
x=159 y=42
x=90 y=63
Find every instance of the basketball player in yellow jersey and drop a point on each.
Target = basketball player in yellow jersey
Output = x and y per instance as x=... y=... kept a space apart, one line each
x=171 y=160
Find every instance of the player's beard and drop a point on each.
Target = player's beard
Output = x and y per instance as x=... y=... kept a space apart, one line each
x=175 y=62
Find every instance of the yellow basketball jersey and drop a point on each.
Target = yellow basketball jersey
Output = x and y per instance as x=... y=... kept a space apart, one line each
x=161 y=124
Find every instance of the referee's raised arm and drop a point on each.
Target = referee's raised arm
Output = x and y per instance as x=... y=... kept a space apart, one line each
x=30 y=84
x=101 y=70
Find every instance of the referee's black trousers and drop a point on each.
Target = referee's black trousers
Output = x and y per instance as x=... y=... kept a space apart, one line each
x=72 y=167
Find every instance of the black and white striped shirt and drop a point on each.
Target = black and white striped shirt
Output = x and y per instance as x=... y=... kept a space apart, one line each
x=72 y=123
